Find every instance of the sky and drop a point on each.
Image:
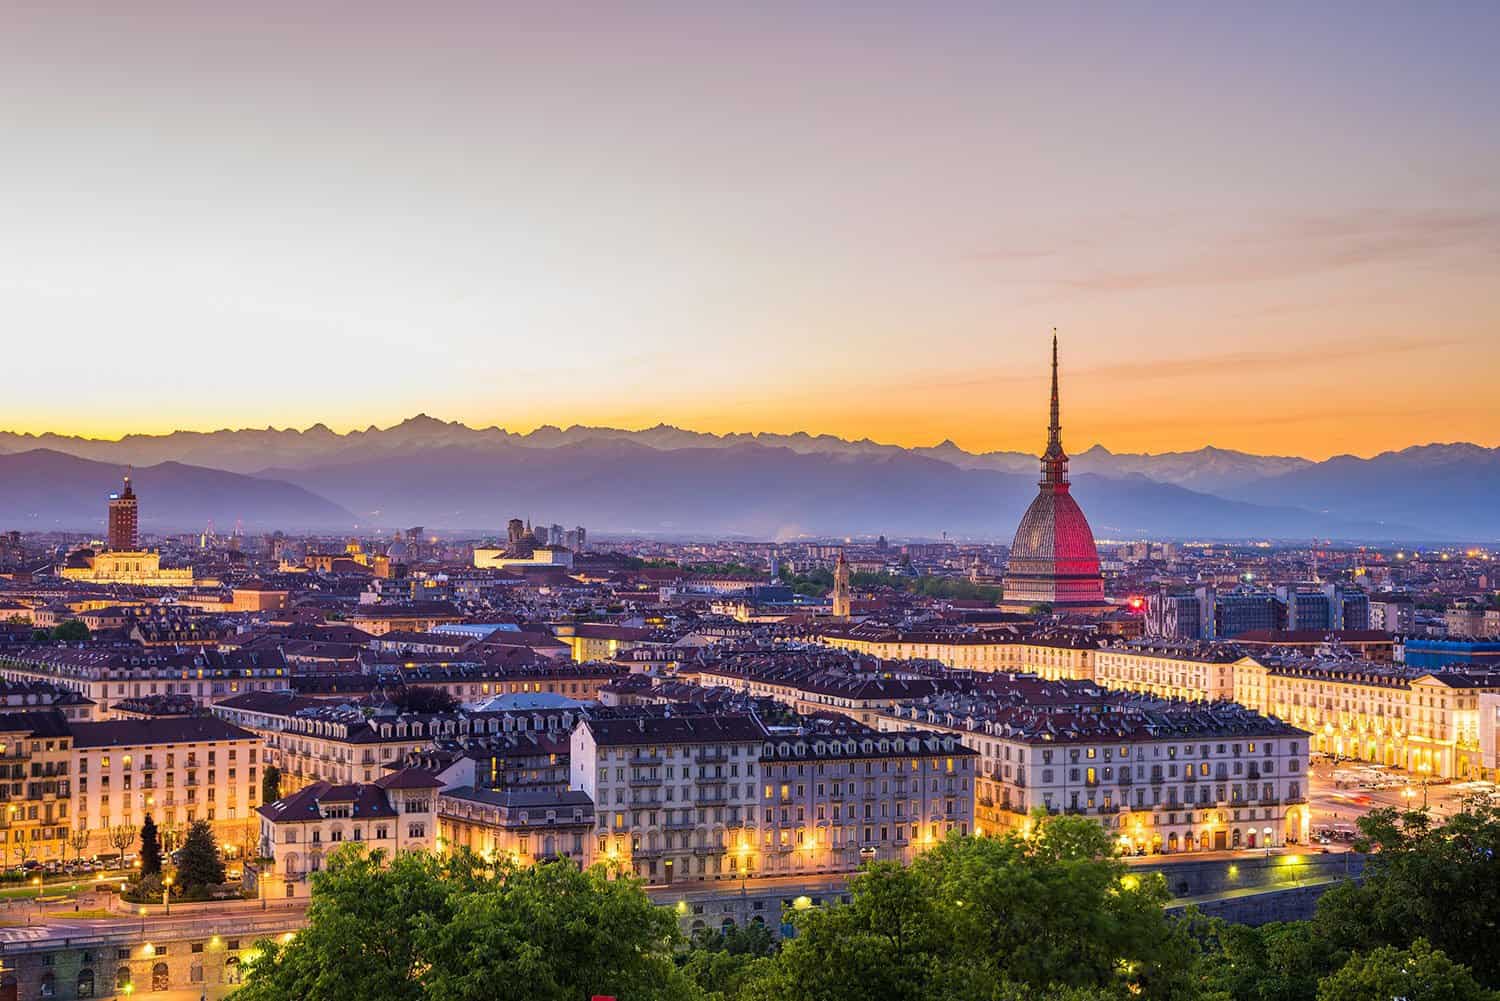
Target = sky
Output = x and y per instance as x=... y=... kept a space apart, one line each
x=1273 y=228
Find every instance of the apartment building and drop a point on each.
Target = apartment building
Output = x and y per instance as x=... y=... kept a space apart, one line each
x=1169 y=669
x=106 y=675
x=1160 y=776
x=475 y=682
x=724 y=797
x=1052 y=655
x=36 y=794
x=1427 y=722
x=177 y=769
x=320 y=740
x=674 y=796
x=835 y=794
x=397 y=813
x=840 y=687
x=524 y=825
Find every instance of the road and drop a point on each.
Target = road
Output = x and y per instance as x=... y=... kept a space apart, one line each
x=57 y=926
x=1340 y=808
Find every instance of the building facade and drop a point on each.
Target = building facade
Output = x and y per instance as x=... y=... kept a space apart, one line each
x=396 y=814
x=1172 y=778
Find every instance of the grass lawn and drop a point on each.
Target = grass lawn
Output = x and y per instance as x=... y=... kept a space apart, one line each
x=65 y=887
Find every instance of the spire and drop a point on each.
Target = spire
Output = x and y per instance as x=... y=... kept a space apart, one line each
x=1054 y=430
x=1054 y=460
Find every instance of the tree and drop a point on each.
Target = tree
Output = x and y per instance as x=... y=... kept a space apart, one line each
x=270 y=784
x=122 y=836
x=170 y=834
x=1420 y=973
x=425 y=699
x=723 y=962
x=1419 y=877
x=79 y=839
x=150 y=848
x=1280 y=961
x=248 y=837
x=975 y=917
x=72 y=631
x=199 y=864
x=425 y=928
x=1040 y=608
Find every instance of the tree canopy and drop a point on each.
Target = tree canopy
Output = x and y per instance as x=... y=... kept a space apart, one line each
x=199 y=864
x=459 y=930
x=150 y=848
x=976 y=917
x=425 y=699
x=1053 y=916
x=72 y=631
x=270 y=784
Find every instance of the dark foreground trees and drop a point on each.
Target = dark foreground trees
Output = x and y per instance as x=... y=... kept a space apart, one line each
x=1053 y=917
x=425 y=928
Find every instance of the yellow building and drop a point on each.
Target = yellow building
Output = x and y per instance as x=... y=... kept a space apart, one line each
x=591 y=641
x=1061 y=656
x=1197 y=671
x=1427 y=722
x=35 y=761
x=142 y=568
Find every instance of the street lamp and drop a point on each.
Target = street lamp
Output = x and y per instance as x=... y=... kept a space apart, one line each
x=744 y=859
x=38 y=882
x=166 y=889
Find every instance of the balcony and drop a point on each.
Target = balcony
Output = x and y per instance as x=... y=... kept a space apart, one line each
x=716 y=756
x=644 y=780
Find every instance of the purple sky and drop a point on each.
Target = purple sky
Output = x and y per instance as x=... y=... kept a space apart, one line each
x=1277 y=230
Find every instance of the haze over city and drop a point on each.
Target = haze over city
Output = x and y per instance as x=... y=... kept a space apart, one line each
x=1272 y=229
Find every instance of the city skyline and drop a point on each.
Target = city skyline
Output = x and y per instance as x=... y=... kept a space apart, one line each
x=860 y=226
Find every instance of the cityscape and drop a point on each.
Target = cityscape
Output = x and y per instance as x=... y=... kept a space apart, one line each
x=700 y=661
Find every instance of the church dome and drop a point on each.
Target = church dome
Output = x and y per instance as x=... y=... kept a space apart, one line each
x=1053 y=559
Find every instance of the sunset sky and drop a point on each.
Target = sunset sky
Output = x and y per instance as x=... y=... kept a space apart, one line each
x=1275 y=230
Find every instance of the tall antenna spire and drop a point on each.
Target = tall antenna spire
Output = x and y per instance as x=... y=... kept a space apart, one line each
x=1054 y=430
x=1054 y=460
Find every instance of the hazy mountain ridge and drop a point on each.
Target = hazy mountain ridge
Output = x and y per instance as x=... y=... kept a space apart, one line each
x=44 y=490
x=764 y=491
x=250 y=449
x=421 y=471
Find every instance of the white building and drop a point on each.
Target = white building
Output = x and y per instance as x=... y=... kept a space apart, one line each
x=1162 y=778
x=397 y=813
x=673 y=795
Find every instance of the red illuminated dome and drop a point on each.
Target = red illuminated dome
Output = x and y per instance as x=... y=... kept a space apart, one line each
x=1053 y=559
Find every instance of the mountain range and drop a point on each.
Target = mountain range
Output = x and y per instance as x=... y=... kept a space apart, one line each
x=667 y=480
x=44 y=490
